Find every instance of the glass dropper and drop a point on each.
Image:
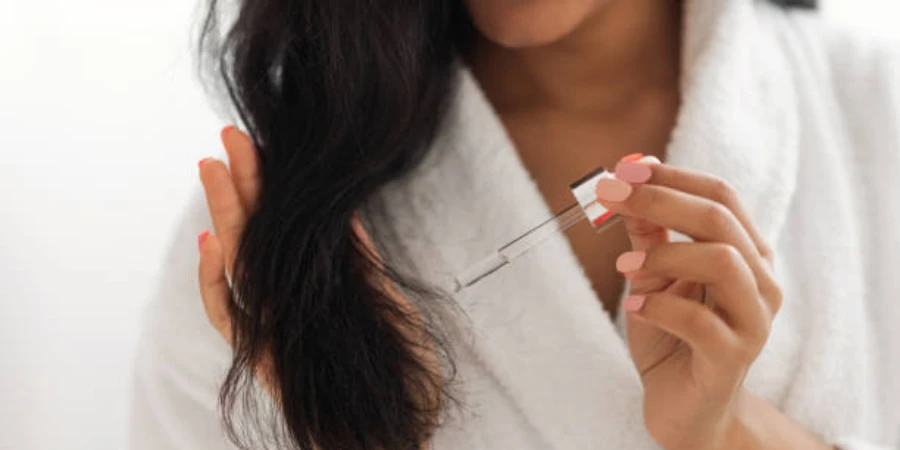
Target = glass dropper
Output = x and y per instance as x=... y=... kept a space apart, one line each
x=522 y=244
x=584 y=191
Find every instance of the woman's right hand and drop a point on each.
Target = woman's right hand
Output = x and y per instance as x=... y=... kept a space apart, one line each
x=231 y=194
x=694 y=396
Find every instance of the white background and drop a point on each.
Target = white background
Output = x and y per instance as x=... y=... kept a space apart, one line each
x=101 y=123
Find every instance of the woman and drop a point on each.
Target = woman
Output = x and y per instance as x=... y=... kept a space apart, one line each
x=393 y=144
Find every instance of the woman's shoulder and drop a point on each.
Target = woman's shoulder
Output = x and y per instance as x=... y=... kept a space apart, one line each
x=856 y=64
x=861 y=62
x=860 y=53
x=846 y=78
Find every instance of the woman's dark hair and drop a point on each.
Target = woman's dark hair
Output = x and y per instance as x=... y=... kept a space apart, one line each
x=340 y=97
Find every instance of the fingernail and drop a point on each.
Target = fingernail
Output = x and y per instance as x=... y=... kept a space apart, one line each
x=634 y=157
x=633 y=172
x=202 y=161
x=612 y=190
x=630 y=261
x=224 y=133
x=634 y=303
x=202 y=237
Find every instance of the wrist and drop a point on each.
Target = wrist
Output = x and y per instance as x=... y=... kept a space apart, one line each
x=745 y=430
x=757 y=425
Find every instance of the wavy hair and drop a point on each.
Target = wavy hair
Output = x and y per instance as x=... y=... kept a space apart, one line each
x=340 y=97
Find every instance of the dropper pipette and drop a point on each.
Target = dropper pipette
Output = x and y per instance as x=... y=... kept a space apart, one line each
x=586 y=207
x=521 y=245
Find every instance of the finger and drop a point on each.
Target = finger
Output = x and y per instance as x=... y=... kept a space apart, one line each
x=712 y=188
x=719 y=191
x=720 y=267
x=695 y=324
x=644 y=236
x=213 y=285
x=699 y=217
x=225 y=208
x=244 y=165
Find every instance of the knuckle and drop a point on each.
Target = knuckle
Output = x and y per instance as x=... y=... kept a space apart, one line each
x=211 y=318
x=766 y=252
x=761 y=332
x=723 y=192
x=651 y=196
x=727 y=260
x=771 y=292
x=775 y=298
x=651 y=307
x=218 y=318
x=211 y=172
x=716 y=218
x=226 y=207
x=754 y=340
x=223 y=321
x=764 y=330
x=233 y=230
x=744 y=354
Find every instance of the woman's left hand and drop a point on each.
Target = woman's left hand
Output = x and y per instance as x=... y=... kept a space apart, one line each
x=699 y=312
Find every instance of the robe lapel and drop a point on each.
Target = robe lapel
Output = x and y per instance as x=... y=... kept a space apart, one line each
x=536 y=326
x=738 y=117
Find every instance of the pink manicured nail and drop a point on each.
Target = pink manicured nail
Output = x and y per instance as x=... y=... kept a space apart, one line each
x=634 y=303
x=630 y=261
x=633 y=172
x=202 y=237
x=224 y=133
x=613 y=190
x=200 y=163
x=634 y=157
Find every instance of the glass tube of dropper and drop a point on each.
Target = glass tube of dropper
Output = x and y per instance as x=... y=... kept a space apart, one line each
x=521 y=245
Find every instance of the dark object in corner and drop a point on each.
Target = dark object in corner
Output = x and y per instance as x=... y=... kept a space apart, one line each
x=809 y=4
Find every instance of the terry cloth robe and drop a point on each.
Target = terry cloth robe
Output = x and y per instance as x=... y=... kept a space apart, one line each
x=800 y=118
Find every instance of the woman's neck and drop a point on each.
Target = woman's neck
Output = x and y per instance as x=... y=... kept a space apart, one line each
x=626 y=48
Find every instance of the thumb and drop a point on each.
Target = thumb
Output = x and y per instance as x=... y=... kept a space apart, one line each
x=644 y=235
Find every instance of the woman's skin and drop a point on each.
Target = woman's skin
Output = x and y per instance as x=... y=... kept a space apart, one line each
x=598 y=79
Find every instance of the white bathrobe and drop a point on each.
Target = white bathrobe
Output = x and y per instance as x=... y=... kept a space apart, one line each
x=800 y=118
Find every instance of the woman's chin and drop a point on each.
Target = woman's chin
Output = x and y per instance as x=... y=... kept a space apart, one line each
x=529 y=23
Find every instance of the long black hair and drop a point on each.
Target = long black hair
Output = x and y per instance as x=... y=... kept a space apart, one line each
x=340 y=97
